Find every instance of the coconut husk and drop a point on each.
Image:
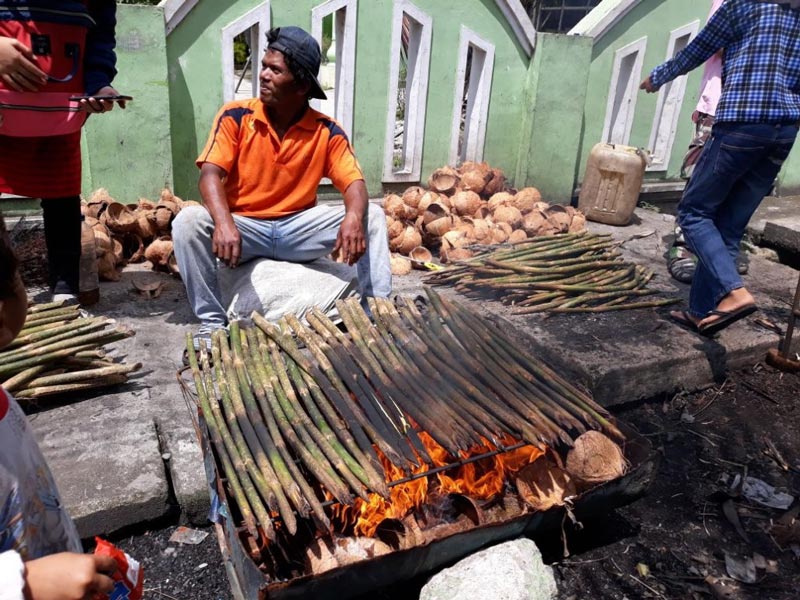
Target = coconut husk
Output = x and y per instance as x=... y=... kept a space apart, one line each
x=133 y=248
x=164 y=217
x=496 y=183
x=404 y=243
x=525 y=199
x=119 y=218
x=433 y=212
x=116 y=251
x=517 y=236
x=559 y=218
x=482 y=231
x=482 y=212
x=476 y=167
x=102 y=239
x=400 y=265
x=544 y=485
x=595 y=459
x=325 y=554
x=426 y=200
x=166 y=196
x=421 y=254
x=106 y=267
x=395 y=228
x=533 y=222
x=444 y=180
x=456 y=254
x=455 y=239
x=440 y=226
x=98 y=202
x=474 y=180
x=578 y=223
x=159 y=252
x=508 y=214
x=394 y=206
x=145 y=204
x=499 y=235
x=466 y=203
x=500 y=199
x=146 y=227
x=412 y=196
x=542 y=206
x=444 y=200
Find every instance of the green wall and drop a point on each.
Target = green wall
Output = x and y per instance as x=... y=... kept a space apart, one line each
x=654 y=19
x=128 y=151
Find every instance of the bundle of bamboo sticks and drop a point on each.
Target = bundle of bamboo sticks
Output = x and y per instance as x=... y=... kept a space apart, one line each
x=58 y=352
x=571 y=273
x=292 y=408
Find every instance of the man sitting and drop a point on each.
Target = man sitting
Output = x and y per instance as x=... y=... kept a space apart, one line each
x=259 y=174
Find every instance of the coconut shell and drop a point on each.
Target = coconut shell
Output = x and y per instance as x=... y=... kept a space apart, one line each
x=578 y=223
x=440 y=226
x=466 y=203
x=400 y=265
x=508 y=214
x=106 y=267
x=407 y=241
x=456 y=254
x=426 y=200
x=473 y=181
x=444 y=180
x=455 y=239
x=496 y=183
x=433 y=212
x=100 y=195
x=542 y=206
x=395 y=228
x=91 y=221
x=119 y=218
x=394 y=206
x=164 y=216
x=444 y=200
x=544 y=485
x=159 y=251
x=533 y=222
x=500 y=199
x=146 y=227
x=482 y=168
x=481 y=231
x=595 y=459
x=116 y=251
x=559 y=218
x=145 y=204
x=499 y=236
x=421 y=254
x=166 y=196
x=517 y=236
x=482 y=212
x=171 y=205
x=133 y=248
x=526 y=199
x=412 y=196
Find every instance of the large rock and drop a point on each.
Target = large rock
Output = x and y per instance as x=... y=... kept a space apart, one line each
x=510 y=571
x=275 y=288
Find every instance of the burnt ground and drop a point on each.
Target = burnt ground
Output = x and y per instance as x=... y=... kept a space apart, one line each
x=663 y=546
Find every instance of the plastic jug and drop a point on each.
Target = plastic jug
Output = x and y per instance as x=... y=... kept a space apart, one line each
x=612 y=183
x=88 y=283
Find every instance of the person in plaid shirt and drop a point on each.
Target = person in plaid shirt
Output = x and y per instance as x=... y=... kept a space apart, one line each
x=756 y=126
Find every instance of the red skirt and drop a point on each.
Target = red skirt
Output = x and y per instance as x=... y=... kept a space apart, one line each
x=41 y=167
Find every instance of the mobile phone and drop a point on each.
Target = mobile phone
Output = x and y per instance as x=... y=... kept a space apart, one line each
x=101 y=97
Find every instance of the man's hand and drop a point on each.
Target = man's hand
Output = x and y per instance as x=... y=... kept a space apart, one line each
x=350 y=243
x=93 y=105
x=68 y=576
x=647 y=86
x=18 y=68
x=226 y=243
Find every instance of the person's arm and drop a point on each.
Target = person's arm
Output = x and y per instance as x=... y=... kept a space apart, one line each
x=351 y=241
x=226 y=241
x=64 y=576
x=715 y=36
x=100 y=60
x=18 y=68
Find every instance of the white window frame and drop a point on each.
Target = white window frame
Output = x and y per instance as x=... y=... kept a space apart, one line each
x=639 y=47
x=258 y=17
x=416 y=96
x=669 y=105
x=478 y=98
x=345 y=56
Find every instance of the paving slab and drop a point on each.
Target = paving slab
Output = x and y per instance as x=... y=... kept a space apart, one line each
x=776 y=223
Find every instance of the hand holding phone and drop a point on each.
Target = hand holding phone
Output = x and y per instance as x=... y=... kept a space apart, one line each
x=102 y=101
x=112 y=98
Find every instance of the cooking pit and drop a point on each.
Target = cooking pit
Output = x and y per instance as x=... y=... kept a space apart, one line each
x=345 y=459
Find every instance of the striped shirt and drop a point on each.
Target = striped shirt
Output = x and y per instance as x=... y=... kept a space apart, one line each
x=761 y=66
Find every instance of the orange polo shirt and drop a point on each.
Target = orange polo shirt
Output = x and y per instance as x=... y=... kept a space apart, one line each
x=268 y=177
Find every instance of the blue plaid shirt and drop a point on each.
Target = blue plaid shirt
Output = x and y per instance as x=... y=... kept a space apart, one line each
x=761 y=65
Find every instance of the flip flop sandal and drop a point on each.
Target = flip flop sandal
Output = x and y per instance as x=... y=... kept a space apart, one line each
x=685 y=321
x=726 y=319
x=681 y=264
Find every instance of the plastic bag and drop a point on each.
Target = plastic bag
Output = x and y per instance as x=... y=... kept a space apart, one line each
x=129 y=578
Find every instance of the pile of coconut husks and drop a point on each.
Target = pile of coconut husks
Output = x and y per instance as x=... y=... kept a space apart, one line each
x=133 y=233
x=467 y=207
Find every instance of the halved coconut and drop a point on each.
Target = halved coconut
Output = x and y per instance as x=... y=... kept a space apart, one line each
x=421 y=254
x=119 y=218
x=578 y=223
x=466 y=203
x=395 y=228
x=559 y=218
x=400 y=265
x=533 y=222
x=433 y=212
x=500 y=199
x=406 y=241
x=482 y=212
x=394 y=206
x=444 y=180
x=159 y=252
x=544 y=485
x=508 y=214
x=164 y=217
x=440 y=226
x=474 y=180
x=426 y=200
x=496 y=183
x=146 y=226
x=595 y=459
x=413 y=195
x=517 y=236
x=456 y=254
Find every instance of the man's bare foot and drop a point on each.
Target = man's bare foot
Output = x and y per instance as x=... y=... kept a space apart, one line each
x=733 y=302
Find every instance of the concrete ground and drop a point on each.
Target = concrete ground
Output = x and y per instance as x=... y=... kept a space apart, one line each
x=130 y=455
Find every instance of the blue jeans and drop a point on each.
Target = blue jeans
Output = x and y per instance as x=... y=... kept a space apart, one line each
x=736 y=170
x=301 y=237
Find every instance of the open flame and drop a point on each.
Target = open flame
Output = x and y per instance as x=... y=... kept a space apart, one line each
x=482 y=479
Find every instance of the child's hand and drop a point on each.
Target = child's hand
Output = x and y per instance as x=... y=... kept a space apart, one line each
x=68 y=576
x=18 y=68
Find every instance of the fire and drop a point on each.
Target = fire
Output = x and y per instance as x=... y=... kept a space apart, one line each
x=482 y=479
